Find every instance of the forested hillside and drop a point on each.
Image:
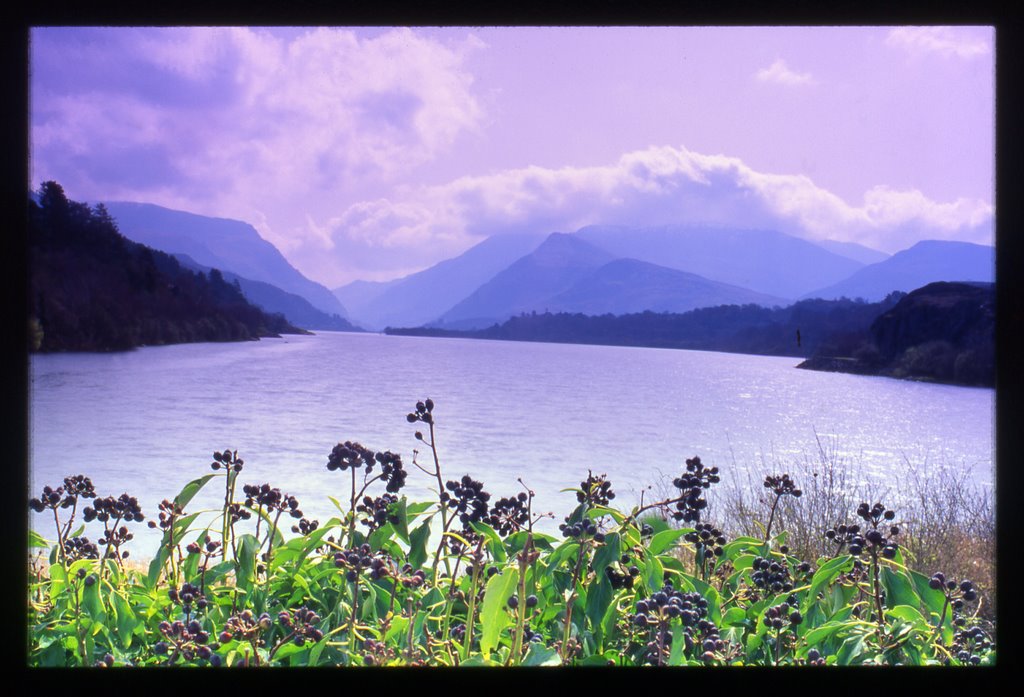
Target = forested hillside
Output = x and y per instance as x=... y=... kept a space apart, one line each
x=90 y=289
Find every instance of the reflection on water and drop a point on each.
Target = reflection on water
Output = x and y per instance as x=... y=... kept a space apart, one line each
x=148 y=421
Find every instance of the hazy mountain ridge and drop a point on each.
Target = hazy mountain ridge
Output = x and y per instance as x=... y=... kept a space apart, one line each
x=270 y=298
x=765 y=261
x=552 y=268
x=228 y=245
x=424 y=296
x=926 y=262
x=626 y=286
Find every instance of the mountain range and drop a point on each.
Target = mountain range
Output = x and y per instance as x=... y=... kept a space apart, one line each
x=596 y=270
x=228 y=245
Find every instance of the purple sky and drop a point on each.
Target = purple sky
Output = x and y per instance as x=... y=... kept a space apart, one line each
x=373 y=153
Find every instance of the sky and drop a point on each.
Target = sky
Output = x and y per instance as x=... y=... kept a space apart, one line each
x=372 y=153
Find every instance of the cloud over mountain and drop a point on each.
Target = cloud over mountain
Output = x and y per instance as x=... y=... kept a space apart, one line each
x=659 y=185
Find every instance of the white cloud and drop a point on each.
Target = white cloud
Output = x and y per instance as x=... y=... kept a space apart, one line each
x=660 y=185
x=241 y=120
x=779 y=73
x=944 y=40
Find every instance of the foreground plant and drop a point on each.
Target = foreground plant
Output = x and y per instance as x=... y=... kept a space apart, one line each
x=659 y=585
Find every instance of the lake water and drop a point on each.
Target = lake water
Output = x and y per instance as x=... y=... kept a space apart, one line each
x=146 y=422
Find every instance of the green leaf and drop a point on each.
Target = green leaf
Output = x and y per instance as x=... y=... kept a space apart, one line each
x=653 y=574
x=735 y=617
x=819 y=634
x=825 y=574
x=599 y=597
x=909 y=614
x=899 y=589
x=566 y=550
x=493 y=617
x=852 y=651
x=711 y=595
x=933 y=599
x=126 y=619
x=92 y=603
x=37 y=540
x=248 y=548
x=743 y=561
x=666 y=539
x=381 y=535
x=494 y=543
x=607 y=554
x=418 y=508
x=478 y=662
x=418 y=545
x=599 y=511
x=539 y=655
x=318 y=648
x=401 y=511
x=675 y=656
x=191 y=489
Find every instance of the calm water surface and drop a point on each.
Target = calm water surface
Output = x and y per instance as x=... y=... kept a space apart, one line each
x=148 y=421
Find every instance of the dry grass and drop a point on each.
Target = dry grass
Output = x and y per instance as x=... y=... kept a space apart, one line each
x=946 y=522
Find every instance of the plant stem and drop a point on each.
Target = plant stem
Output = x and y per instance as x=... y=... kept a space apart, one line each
x=572 y=600
x=771 y=518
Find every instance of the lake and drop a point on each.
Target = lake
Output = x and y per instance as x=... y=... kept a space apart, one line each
x=148 y=421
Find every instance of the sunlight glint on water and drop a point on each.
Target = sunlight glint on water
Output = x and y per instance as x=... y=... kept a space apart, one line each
x=148 y=421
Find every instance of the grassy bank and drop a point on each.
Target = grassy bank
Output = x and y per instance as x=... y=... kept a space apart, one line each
x=788 y=570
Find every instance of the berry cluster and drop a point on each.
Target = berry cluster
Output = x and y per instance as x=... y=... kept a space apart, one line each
x=622 y=574
x=692 y=484
x=971 y=644
x=186 y=595
x=669 y=603
x=238 y=512
x=778 y=617
x=377 y=511
x=377 y=653
x=209 y=547
x=782 y=485
x=953 y=591
x=305 y=526
x=264 y=496
x=508 y=515
x=391 y=470
x=246 y=627
x=771 y=576
x=63 y=496
x=124 y=508
x=424 y=413
x=581 y=530
x=411 y=578
x=814 y=658
x=228 y=460
x=349 y=454
x=188 y=640
x=358 y=558
x=169 y=512
x=874 y=540
x=656 y=614
x=301 y=625
x=80 y=548
x=706 y=538
x=595 y=491
x=842 y=535
x=468 y=498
